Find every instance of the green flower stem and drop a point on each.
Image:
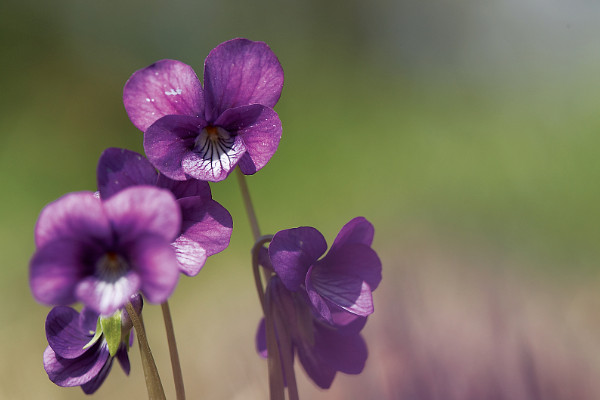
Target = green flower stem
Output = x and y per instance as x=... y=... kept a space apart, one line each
x=255 y=269
x=175 y=365
x=153 y=383
x=248 y=204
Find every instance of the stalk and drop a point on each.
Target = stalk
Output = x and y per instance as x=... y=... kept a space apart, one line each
x=153 y=383
x=175 y=364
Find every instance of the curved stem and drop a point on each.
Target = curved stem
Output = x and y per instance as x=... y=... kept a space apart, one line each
x=257 y=281
x=153 y=383
x=175 y=365
x=248 y=204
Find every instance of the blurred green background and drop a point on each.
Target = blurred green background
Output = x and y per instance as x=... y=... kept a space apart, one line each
x=466 y=131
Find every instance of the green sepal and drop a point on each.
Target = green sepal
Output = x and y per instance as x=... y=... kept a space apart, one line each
x=111 y=328
x=96 y=335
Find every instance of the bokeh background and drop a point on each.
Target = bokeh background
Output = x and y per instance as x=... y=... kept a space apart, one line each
x=466 y=131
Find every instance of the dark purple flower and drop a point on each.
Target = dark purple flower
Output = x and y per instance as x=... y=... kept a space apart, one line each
x=206 y=225
x=78 y=353
x=101 y=252
x=322 y=349
x=203 y=133
x=339 y=285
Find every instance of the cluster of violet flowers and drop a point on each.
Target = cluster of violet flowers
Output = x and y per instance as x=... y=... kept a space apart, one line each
x=154 y=218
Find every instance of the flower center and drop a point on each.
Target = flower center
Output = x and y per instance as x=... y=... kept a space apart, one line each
x=213 y=142
x=111 y=266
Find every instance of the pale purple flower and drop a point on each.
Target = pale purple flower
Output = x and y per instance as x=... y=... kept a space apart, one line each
x=101 y=252
x=322 y=349
x=204 y=133
x=339 y=285
x=77 y=355
x=206 y=225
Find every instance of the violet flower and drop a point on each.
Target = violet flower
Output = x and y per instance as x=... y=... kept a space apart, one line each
x=339 y=285
x=322 y=349
x=101 y=252
x=78 y=353
x=203 y=133
x=206 y=225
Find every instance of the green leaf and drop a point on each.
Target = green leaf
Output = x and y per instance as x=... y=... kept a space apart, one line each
x=111 y=328
x=96 y=335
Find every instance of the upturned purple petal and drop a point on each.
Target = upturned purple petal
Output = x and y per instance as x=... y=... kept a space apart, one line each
x=293 y=251
x=167 y=87
x=141 y=210
x=120 y=168
x=64 y=332
x=75 y=215
x=56 y=269
x=77 y=371
x=352 y=260
x=187 y=188
x=154 y=261
x=260 y=129
x=107 y=294
x=169 y=141
x=241 y=72
x=346 y=291
x=357 y=230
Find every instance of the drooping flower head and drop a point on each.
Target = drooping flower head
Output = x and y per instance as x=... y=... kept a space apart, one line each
x=78 y=353
x=204 y=133
x=101 y=252
x=206 y=225
x=338 y=285
x=322 y=349
x=319 y=306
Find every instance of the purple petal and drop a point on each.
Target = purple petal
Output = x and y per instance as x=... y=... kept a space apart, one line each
x=316 y=367
x=169 y=141
x=88 y=319
x=206 y=231
x=358 y=230
x=293 y=251
x=215 y=155
x=167 y=87
x=77 y=371
x=64 y=333
x=346 y=322
x=123 y=359
x=106 y=295
x=141 y=210
x=155 y=262
x=344 y=353
x=346 y=291
x=260 y=129
x=95 y=383
x=75 y=215
x=56 y=269
x=240 y=72
x=353 y=259
x=261 y=339
x=119 y=168
x=188 y=188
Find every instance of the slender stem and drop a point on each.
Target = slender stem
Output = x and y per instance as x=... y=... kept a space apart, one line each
x=257 y=281
x=153 y=383
x=248 y=204
x=276 y=383
x=175 y=365
x=287 y=360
